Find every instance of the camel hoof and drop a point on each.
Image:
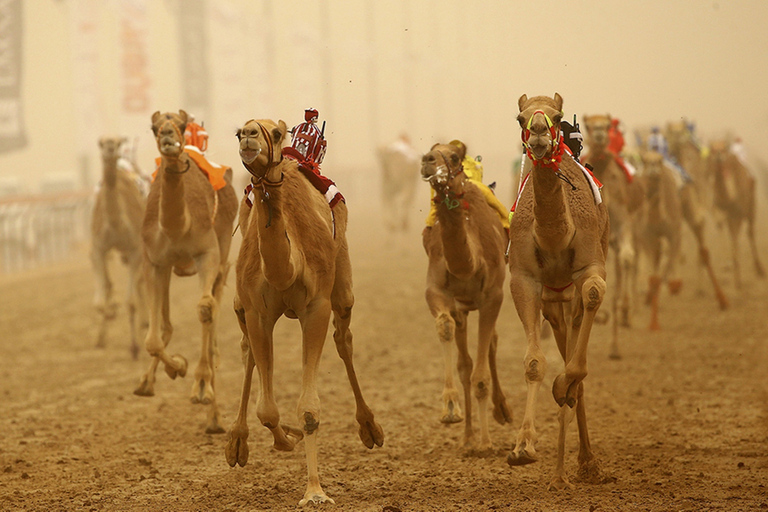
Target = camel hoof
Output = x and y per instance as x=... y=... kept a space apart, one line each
x=521 y=458
x=590 y=472
x=315 y=497
x=236 y=450
x=286 y=438
x=559 y=483
x=145 y=388
x=452 y=414
x=563 y=392
x=178 y=369
x=202 y=392
x=371 y=434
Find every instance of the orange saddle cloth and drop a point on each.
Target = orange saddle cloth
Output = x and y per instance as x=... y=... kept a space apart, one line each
x=215 y=172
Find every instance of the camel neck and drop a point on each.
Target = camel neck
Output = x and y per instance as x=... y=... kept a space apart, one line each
x=278 y=260
x=110 y=172
x=175 y=219
x=553 y=226
x=453 y=216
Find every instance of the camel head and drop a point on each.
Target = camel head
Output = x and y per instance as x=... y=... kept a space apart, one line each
x=597 y=131
x=261 y=143
x=653 y=165
x=110 y=147
x=169 y=132
x=442 y=166
x=677 y=134
x=540 y=118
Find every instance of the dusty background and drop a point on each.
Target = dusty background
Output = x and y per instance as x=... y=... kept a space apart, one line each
x=680 y=423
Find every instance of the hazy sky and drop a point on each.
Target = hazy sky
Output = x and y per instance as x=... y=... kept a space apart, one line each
x=438 y=69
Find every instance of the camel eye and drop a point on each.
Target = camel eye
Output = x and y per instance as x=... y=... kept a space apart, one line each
x=238 y=134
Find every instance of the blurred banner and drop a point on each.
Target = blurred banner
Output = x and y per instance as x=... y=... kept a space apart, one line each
x=194 y=57
x=11 y=121
x=135 y=57
x=85 y=74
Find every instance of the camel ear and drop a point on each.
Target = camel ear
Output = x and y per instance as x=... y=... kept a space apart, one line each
x=101 y=142
x=521 y=120
x=462 y=149
x=283 y=130
x=434 y=146
x=558 y=102
x=238 y=133
x=183 y=115
x=155 y=116
x=521 y=101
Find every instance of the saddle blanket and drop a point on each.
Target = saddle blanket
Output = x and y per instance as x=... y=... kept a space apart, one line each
x=213 y=171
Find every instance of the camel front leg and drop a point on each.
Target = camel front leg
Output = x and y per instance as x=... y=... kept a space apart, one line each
x=527 y=296
x=565 y=387
x=136 y=303
x=314 y=325
x=236 y=450
x=440 y=306
x=260 y=338
x=464 y=367
x=102 y=299
x=370 y=432
x=207 y=312
x=158 y=281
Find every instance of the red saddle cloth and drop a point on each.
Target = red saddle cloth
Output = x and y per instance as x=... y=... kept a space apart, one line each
x=213 y=171
x=311 y=170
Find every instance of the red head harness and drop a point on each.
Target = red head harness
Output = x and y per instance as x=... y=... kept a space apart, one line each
x=553 y=161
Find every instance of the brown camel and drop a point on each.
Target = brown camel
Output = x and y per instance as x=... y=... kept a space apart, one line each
x=623 y=197
x=558 y=245
x=734 y=195
x=661 y=221
x=694 y=195
x=466 y=273
x=116 y=224
x=188 y=230
x=294 y=261
x=399 y=167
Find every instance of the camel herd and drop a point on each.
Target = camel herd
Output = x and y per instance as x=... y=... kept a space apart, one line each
x=570 y=213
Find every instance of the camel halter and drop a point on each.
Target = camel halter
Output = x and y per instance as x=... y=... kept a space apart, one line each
x=262 y=182
x=270 y=155
x=178 y=132
x=450 y=199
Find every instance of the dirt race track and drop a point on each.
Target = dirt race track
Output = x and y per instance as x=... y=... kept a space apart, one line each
x=680 y=423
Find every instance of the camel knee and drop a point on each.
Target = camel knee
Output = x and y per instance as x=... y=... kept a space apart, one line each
x=268 y=415
x=310 y=422
x=206 y=309
x=535 y=367
x=593 y=293
x=154 y=344
x=446 y=327
x=481 y=385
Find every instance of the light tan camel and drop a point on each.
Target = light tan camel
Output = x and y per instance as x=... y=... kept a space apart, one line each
x=623 y=199
x=695 y=198
x=187 y=229
x=118 y=213
x=734 y=195
x=294 y=261
x=661 y=223
x=558 y=245
x=466 y=273
x=399 y=163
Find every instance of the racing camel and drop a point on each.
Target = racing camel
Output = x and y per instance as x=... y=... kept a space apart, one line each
x=734 y=195
x=118 y=213
x=188 y=230
x=558 y=244
x=293 y=261
x=466 y=273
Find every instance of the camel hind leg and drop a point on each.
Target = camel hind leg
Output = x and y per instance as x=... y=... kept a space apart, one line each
x=342 y=301
x=464 y=367
x=502 y=413
x=103 y=295
x=481 y=375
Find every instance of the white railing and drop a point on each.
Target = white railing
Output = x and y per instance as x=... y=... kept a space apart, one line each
x=42 y=229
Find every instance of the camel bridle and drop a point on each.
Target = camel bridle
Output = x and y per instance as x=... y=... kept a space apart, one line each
x=554 y=132
x=440 y=181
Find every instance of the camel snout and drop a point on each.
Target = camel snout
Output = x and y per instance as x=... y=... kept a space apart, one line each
x=248 y=155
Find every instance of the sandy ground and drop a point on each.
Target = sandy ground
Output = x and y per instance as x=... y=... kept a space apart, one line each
x=680 y=423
